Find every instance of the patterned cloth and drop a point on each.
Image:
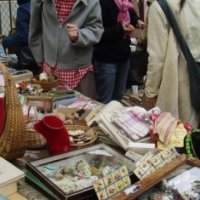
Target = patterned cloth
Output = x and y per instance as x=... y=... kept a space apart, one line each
x=133 y=122
x=176 y=139
x=68 y=77
x=63 y=8
x=165 y=126
x=124 y=6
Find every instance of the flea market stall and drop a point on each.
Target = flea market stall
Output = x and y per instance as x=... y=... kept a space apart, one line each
x=71 y=147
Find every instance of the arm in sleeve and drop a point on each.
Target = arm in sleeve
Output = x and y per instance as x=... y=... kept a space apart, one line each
x=113 y=31
x=92 y=31
x=35 y=30
x=20 y=37
x=156 y=47
x=134 y=17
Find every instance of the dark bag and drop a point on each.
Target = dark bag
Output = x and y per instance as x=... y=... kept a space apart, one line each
x=26 y=57
x=27 y=61
x=193 y=67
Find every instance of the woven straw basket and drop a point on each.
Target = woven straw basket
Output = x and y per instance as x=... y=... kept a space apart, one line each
x=34 y=139
x=46 y=86
x=90 y=132
x=13 y=138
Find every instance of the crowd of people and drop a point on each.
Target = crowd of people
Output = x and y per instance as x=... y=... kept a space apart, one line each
x=86 y=44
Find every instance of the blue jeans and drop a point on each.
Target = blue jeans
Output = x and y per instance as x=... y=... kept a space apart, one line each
x=111 y=80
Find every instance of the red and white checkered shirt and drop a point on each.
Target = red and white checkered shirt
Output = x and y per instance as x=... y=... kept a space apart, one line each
x=63 y=8
x=68 y=77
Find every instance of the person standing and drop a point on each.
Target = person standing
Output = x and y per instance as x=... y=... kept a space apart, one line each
x=17 y=41
x=167 y=84
x=111 y=55
x=62 y=35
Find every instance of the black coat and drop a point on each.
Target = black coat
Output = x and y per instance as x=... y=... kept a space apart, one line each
x=113 y=46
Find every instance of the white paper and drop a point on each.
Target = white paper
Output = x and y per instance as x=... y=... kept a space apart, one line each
x=8 y=172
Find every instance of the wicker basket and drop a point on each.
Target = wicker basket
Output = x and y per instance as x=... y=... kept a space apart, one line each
x=34 y=139
x=46 y=86
x=88 y=132
x=13 y=138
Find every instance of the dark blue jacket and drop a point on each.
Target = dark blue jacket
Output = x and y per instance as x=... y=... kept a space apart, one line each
x=20 y=37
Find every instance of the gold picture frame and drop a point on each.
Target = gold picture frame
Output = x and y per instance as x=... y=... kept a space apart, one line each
x=156 y=177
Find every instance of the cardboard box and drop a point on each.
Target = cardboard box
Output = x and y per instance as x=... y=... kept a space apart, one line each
x=23 y=75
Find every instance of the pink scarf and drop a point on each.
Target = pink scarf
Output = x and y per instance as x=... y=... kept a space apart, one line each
x=124 y=6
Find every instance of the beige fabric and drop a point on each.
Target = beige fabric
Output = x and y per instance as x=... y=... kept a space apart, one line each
x=167 y=74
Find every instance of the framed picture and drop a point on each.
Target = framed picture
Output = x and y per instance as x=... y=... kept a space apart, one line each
x=181 y=176
x=42 y=103
x=70 y=175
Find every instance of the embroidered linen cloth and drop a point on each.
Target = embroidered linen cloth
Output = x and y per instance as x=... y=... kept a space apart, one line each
x=135 y=121
x=164 y=126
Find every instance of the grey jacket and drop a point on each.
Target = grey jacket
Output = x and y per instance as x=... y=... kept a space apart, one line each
x=48 y=38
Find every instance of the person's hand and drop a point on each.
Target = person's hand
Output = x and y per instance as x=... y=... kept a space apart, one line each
x=73 y=32
x=148 y=102
x=47 y=69
x=141 y=24
x=128 y=29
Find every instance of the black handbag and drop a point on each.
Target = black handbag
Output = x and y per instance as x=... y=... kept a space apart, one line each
x=193 y=66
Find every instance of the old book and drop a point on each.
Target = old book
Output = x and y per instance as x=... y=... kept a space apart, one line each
x=16 y=196
x=40 y=186
x=22 y=75
x=109 y=108
x=9 y=189
x=9 y=175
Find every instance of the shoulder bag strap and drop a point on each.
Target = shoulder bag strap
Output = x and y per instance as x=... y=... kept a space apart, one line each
x=172 y=21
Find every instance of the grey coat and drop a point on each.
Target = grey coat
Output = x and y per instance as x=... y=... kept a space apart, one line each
x=48 y=38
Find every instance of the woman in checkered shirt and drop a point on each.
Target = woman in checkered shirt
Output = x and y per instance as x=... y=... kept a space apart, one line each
x=62 y=35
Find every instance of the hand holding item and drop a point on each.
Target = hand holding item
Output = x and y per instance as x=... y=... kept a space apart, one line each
x=128 y=28
x=47 y=69
x=141 y=24
x=149 y=102
x=73 y=32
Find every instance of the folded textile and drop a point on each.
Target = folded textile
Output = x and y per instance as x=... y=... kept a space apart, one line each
x=176 y=139
x=115 y=133
x=165 y=126
x=133 y=121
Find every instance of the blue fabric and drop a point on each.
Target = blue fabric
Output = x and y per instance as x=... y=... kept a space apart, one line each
x=22 y=1
x=111 y=80
x=3 y=197
x=20 y=37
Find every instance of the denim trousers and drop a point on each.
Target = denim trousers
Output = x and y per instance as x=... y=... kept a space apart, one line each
x=110 y=80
